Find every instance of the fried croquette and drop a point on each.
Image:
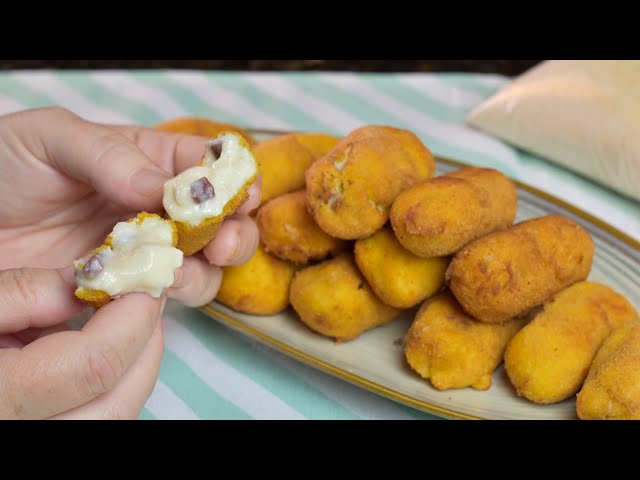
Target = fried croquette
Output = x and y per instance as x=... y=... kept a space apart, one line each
x=288 y=231
x=351 y=189
x=506 y=273
x=398 y=277
x=318 y=144
x=334 y=299
x=453 y=350
x=548 y=360
x=258 y=287
x=283 y=160
x=199 y=198
x=139 y=255
x=202 y=127
x=612 y=388
x=440 y=216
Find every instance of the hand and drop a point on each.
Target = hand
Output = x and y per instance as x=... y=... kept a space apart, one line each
x=65 y=183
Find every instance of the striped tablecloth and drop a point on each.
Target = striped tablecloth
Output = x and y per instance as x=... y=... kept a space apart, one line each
x=210 y=372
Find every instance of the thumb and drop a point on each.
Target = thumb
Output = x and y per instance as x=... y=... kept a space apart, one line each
x=34 y=297
x=101 y=157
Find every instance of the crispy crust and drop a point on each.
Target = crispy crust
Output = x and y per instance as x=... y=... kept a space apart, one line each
x=98 y=298
x=95 y=298
x=203 y=127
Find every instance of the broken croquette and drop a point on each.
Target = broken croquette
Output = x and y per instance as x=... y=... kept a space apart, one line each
x=201 y=197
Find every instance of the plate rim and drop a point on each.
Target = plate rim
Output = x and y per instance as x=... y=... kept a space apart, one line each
x=441 y=412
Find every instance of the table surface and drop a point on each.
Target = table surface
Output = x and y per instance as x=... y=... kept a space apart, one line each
x=209 y=371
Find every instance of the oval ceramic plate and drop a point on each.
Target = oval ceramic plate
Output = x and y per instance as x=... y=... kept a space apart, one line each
x=375 y=360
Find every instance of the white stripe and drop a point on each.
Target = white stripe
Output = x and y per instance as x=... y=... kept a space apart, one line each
x=453 y=134
x=323 y=112
x=166 y=405
x=491 y=79
x=9 y=105
x=124 y=85
x=224 y=379
x=223 y=99
x=67 y=97
x=366 y=405
x=434 y=88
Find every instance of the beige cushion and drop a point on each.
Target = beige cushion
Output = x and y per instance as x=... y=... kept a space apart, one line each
x=581 y=114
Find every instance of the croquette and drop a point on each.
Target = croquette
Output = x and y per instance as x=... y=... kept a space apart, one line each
x=397 y=276
x=440 y=216
x=333 y=298
x=453 y=350
x=283 y=160
x=199 y=198
x=139 y=255
x=258 y=287
x=288 y=231
x=548 y=360
x=506 y=273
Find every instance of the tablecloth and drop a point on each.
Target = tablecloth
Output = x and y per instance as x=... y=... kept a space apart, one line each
x=209 y=371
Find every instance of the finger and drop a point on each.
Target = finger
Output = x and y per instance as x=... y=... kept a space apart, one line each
x=235 y=243
x=59 y=372
x=253 y=201
x=173 y=152
x=126 y=400
x=32 y=297
x=99 y=156
x=32 y=334
x=197 y=282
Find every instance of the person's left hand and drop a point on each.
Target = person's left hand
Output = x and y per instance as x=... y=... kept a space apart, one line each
x=65 y=183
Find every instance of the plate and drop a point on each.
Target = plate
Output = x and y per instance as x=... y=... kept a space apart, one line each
x=375 y=360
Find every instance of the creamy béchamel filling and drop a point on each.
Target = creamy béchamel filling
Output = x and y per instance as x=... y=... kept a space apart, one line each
x=140 y=258
x=201 y=192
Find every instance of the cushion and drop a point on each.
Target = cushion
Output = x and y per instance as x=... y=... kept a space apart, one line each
x=584 y=115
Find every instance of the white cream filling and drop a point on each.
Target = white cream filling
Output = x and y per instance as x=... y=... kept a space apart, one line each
x=228 y=174
x=141 y=259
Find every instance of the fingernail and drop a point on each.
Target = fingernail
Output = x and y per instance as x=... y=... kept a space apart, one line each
x=148 y=182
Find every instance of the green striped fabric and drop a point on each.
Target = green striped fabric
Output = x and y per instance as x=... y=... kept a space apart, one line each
x=210 y=372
